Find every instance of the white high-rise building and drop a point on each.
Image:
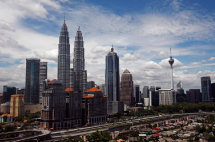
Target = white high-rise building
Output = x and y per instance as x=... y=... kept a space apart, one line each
x=167 y=97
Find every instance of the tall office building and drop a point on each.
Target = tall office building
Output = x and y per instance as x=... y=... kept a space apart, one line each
x=7 y=92
x=90 y=84
x=64 y=57
x=32 y=81
x=193 y=96
x=146 y=92
x=180 y=89
x=42 y=77
x=79 y=74
x=102 y=88
x=206 y=89
x=137 y=93
x=167 y=97
x=112 y=81
x=126 y=90
x=213 y=91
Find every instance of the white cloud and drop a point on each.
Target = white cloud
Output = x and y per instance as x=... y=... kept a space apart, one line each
x=128 y=57
x=165 y=63
x=212 y=59
x=194 y=64
x=139 y=33
x=150 y=66
x=6 y=26
x=204 y=61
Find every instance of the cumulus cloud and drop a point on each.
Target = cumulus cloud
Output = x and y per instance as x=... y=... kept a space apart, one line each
x=138 y=32
x=6 y=26
x=212 y=59
x=128 y=57
x=160 y=54
x=151 y=65
x=204 y=61
x=165 y=63
x=141 y=56
x=194 y=64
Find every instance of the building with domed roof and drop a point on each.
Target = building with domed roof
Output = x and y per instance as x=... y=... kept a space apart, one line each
x=126 y=90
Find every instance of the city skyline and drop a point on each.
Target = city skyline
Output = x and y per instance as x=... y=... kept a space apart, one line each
x=141 y=37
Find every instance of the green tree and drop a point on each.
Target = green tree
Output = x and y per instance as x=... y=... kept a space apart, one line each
x=99 y=137
x=134 y=133
x=9 y=128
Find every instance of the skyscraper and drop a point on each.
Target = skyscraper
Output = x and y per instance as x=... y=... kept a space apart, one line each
x=64 y=57
x=146 y=92
x=90 y=84
x=126 y=90
x=206 y=89
x=112 y=81
x=78 y=72
x=32 y=81
x=7 y=92
x=180 y=89
x=43 y=76
x=171 y=61
x=193 y=96
x=137 y=93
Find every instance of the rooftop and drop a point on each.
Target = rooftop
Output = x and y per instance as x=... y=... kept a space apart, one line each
x=126 y=71
x=94 y=89
x=68 y=90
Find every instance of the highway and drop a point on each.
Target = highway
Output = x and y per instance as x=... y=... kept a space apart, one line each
x=103 y=127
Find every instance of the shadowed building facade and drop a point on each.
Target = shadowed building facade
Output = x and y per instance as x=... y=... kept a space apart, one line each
x=193 y=96
x=112 y=82
x=206 y=89
x=126 y=90
x=64 y=57
x=94 y=107
x=78 y=74
x=32 y=81
x=61 y=108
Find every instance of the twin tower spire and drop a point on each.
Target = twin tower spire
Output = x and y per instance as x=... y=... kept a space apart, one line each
x=76 y=77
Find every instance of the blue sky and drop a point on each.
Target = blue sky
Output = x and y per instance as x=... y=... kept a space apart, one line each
x=141 y=32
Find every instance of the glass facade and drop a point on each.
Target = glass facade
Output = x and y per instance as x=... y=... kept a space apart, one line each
x=7 y=92
x=32 y=81
x=80 y=82
x=43 y=76
x=64 y=57
x=112 y=77
x=206 y=89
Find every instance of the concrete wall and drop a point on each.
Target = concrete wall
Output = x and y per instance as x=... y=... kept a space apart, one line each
x=33 y=108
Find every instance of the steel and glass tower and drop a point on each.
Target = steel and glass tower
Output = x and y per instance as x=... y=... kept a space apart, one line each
x=32 y=81
x=206 y=89
x=112 y=81
x=64 y=57
x=79 y=81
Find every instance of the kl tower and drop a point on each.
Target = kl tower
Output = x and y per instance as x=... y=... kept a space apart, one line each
x=171 y=61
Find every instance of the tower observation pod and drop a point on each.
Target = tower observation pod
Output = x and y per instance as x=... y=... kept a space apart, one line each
x=171 y=62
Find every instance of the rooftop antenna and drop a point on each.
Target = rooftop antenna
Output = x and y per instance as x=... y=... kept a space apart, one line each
x=64 y=16
x=170 y=52
x=112 y=48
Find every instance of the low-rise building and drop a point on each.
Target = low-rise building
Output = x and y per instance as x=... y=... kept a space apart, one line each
x=94 y=106
x=7 y=118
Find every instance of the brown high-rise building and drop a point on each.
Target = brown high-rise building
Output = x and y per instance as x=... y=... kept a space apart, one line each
x=126 y=94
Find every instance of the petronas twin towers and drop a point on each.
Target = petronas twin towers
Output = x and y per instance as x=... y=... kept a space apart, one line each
x=76 y=77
